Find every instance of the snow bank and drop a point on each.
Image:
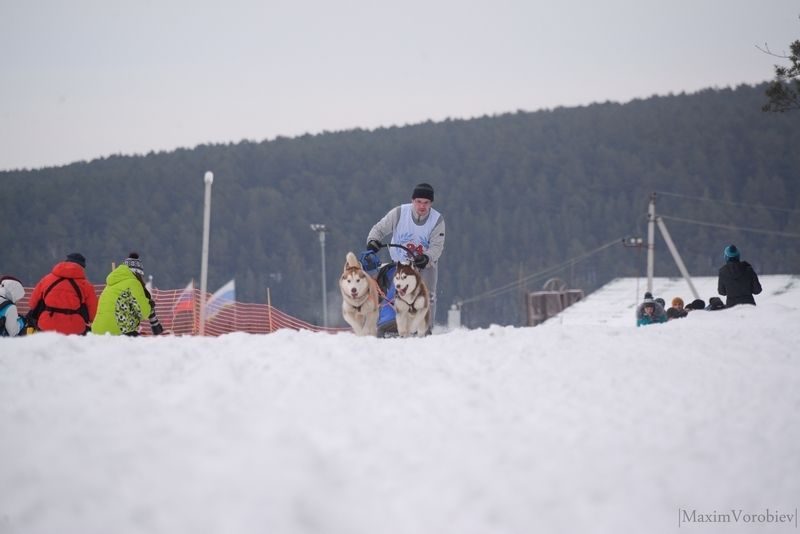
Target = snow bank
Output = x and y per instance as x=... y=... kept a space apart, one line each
x=566 y=427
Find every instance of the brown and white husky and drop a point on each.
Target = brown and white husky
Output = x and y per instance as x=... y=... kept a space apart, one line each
x=360 y=307
x=412 y=303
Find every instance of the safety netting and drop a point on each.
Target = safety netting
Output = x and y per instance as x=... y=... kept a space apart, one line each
x=178 y=310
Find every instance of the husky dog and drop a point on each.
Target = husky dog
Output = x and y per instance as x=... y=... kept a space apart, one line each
x=412 y=304
x=360 y=306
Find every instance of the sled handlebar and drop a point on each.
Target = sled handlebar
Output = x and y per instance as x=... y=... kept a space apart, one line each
x=408 y=251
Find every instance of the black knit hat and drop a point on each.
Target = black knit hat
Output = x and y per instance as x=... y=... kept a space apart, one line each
x=423 y=190
x=77 y=257
x=134 y=263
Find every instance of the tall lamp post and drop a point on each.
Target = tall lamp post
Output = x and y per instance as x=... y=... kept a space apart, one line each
x=321 y=229
x=208 y=179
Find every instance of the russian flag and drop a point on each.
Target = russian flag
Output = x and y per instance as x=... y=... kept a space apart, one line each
x=185 y=300
x=224 y=296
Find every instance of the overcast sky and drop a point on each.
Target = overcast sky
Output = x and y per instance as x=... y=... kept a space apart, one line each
x=87 y=79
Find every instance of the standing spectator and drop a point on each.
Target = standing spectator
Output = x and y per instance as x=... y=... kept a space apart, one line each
x=64 y=300
x=737 y=279
x=419 y=226
x=11 y=324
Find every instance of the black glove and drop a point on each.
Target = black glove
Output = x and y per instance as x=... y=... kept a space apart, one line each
x=421 y=261
x=152 y=306
x=30 y=320
x=155 y=324
x=374 y=245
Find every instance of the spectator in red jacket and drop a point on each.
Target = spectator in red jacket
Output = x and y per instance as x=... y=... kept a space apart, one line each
x=64 y=300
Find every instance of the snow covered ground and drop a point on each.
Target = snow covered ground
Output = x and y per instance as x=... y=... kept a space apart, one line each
x=583 y=424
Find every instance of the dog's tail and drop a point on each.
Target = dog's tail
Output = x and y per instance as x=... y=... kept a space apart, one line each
x=352 y=261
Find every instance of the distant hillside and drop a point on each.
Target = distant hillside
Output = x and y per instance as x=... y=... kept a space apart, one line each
x=520 y=192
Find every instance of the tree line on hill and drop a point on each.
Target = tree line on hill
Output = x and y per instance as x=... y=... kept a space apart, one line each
x=520 y=192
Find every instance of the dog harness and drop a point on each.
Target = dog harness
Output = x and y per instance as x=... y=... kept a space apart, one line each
x=412 y=309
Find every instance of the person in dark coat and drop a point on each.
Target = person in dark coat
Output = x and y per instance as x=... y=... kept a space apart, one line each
x=737 y=279
x=696 y=304
x=714 y=304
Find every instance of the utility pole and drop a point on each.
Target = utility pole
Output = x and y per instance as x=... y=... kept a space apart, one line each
x=321 y=229
x=651 y=235
x=208 y=179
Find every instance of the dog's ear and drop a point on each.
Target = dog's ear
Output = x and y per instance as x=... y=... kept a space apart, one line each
x=352 y=261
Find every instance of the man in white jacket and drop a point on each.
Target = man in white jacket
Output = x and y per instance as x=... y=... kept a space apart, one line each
x=419 y=225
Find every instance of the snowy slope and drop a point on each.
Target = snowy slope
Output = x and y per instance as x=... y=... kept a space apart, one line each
x=566 y=427
x=615 y=303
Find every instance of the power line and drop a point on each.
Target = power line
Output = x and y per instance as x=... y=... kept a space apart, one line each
x=511 y=286
x=730 y=203
x=729 y=227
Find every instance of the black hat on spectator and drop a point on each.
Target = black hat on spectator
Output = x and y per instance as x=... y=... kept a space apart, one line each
x=77 y=257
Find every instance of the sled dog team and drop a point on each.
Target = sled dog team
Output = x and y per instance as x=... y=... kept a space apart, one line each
x=418 y=233
x=361 y=300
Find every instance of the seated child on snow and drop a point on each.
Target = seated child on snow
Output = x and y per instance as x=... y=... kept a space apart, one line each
x=677 y=311
x=696 y=304
x=11 y=291
x=650 y=312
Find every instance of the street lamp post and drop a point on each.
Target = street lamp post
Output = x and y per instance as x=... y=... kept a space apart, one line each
x=321 y=230
x=208 y=179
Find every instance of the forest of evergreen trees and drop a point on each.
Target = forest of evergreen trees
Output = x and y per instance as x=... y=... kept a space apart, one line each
x=520 y=192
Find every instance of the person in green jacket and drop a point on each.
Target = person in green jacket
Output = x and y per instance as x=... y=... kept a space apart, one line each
x=125 y=301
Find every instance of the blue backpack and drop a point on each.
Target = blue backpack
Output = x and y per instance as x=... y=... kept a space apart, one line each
x=3 y=309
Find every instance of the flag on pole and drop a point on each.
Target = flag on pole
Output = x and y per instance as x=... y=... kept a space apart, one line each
x=185 y=300
x=224 y=296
